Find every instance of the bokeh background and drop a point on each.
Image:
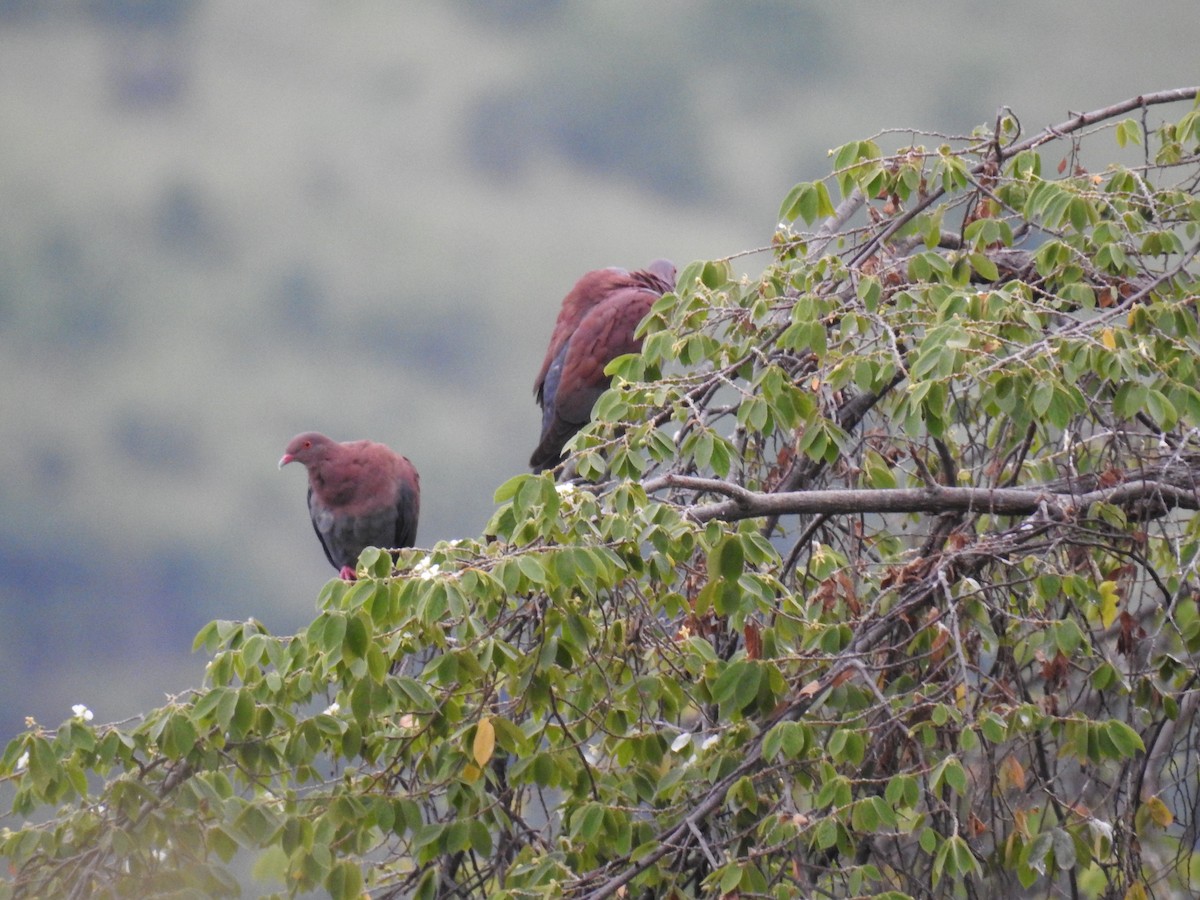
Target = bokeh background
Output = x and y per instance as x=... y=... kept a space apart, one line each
x=222 y=223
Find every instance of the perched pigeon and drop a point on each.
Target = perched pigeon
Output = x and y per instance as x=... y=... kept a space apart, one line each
x=360 y=494
x=595 y=325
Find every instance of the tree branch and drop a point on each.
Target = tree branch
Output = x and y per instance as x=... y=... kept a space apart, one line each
x=746 y=504
x=831 y=226
x=1052 y=132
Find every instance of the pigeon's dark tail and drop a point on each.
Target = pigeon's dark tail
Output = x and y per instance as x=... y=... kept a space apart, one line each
x=549 y=451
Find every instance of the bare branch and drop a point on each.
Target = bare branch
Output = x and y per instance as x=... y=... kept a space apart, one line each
x=1058 y=500
x=1050 y=133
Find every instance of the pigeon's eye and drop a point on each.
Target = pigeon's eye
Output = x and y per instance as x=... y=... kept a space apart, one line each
x=307 y=444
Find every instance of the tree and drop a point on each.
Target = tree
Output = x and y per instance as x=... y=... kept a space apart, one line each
x=880 y=579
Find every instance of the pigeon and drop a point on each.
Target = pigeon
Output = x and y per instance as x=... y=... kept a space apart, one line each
x=360 y=494
x=595 y=325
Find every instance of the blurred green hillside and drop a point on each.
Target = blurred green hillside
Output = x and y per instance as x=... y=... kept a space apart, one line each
x=225 y=223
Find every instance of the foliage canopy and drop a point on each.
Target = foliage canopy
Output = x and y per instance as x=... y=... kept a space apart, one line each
x=881 y=579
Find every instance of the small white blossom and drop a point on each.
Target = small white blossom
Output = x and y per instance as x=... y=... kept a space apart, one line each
x=1101 y=830
x=82 y=712
x=709 y=741
x=22 y=762
x=333 y=708
x=681 y=742
x=425 y=569
x=566 y=489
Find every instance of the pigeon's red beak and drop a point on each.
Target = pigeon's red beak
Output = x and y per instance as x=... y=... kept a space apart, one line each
x=287 y=458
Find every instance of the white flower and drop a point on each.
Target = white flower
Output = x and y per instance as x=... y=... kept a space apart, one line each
x=82 y=712
x=426 y=570
x=565 y=490
x=1104 y=829
x=681 y=742
x=22 y=762
x=333 y=708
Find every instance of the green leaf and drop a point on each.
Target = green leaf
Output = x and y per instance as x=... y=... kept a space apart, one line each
x=984 y=267
x=509 y=489
x=902 y=791
x=331 y=631
x=1161 y=410
x=825 y=834
x=949 y=771
x=727 y=560
x=715 y=274
x=994 y=728
x=588 y=823
x=531 y=567
x=356 y=640
x=344 y=881
x=864 y=816
x=207 y=637
x=738 y=685
x=1124 y=739
x=869 y=291
x=271 y=865
x=1128 y=131
x=730 y=878
x=179 y=737
x=208 y=702
x=257 y=824
x=806 y=201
